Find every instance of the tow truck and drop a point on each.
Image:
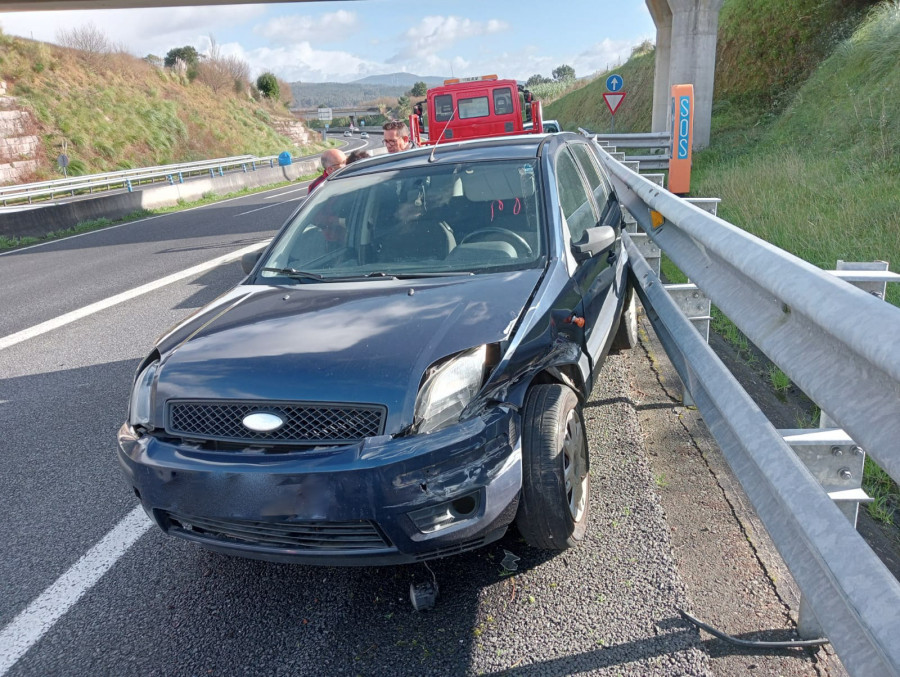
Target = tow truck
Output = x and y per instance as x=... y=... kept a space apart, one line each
x=475 y=108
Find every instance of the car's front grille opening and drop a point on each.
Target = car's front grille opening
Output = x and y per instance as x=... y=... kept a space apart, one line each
x=306 y=535
x=460 y=547
x=303 y=423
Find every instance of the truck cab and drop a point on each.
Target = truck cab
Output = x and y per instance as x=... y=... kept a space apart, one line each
x=475 y=108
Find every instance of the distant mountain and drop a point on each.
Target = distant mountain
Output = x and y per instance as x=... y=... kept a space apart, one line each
x=344 y=94
x=400 y=80
x=341 y=94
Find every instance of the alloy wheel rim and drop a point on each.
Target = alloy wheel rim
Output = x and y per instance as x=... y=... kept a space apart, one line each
x=574 y=465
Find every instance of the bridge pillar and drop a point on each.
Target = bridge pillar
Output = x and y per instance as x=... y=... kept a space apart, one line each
x=686 y=32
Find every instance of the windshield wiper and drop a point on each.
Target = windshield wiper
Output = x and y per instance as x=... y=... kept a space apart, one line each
x=293 y=272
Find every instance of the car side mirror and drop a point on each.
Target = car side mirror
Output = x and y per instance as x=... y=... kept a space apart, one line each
x=594 y=241
x=248 y=261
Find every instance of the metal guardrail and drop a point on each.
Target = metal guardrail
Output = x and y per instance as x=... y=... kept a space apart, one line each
x=837 y=343
x=657 y=140
x=128 y=178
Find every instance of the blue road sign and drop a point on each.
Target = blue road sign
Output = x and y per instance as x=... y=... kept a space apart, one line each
x=614 y=82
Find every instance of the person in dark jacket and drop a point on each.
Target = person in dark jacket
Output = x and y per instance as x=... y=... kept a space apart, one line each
x=332 y=160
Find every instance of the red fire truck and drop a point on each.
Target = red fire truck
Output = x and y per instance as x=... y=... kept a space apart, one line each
x=473 y=108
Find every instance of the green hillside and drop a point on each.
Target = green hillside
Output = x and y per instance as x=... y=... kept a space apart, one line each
x=113 y=110
x=805 y=144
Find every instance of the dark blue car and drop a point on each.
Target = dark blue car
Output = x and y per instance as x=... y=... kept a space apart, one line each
x=401 y=374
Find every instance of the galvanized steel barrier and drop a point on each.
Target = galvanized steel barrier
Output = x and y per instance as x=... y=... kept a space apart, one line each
x=837 y=343
x=127 y=178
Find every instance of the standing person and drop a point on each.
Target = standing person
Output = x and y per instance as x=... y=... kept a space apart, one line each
x=332 y=160
x=396 y=136
x=358 y=155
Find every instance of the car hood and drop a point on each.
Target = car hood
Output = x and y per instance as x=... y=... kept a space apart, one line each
x=364 y=342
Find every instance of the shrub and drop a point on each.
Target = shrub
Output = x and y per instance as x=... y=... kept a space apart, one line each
x=267 y=84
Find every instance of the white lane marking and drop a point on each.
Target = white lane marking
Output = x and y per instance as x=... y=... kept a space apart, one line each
x=131 y=223
x=37 y=618
x=272 y=197
x=274 y=204
x=62 y=320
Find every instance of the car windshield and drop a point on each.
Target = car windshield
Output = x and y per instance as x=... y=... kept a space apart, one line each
x=452 y=218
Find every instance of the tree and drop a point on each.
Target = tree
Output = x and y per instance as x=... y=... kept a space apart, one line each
x=419 y=89
x=404 y=107
x=87 y=38
x=537 y=79
x=267 y=84
x=564 y=72
x=188 y=54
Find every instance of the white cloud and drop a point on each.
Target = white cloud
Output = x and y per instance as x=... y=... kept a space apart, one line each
x=140 y=31
x=602 y=56
x=288 y=30
x=302 y=62
x=434 y=34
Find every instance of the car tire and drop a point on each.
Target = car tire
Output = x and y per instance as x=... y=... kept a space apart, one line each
x=553 y=508
x=627 y=336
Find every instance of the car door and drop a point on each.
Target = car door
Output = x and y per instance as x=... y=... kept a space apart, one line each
x=594 y=276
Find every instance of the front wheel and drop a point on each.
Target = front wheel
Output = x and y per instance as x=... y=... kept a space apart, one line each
x=553 y=509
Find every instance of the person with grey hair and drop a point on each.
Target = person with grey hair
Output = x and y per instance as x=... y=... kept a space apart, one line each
x=332 y=160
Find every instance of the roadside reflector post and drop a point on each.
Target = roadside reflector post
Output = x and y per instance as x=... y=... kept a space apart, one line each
x=682 y=121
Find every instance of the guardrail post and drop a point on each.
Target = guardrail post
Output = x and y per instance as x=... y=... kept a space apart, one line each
x=253 y=164
x=221 y=172
x=212 y=174
x=837 y=464
x=271 y=163
x=128 y=184
x=180 y=177
x=171 y=180
x=244 y=167
x=841 y=472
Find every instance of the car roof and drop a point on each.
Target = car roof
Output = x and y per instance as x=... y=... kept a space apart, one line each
x=503 y=148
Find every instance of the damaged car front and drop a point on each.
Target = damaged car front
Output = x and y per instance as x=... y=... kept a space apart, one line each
x=364 y=395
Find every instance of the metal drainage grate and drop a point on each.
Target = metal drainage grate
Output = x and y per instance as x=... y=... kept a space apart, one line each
x=303 y=422
x=344 y=536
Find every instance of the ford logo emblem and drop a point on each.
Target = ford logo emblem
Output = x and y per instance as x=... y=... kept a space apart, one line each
x=262 y=422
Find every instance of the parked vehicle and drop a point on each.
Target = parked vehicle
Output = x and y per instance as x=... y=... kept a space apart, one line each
x=552 y=126
x=475 y=108
x=348 y=133
x=402 y=372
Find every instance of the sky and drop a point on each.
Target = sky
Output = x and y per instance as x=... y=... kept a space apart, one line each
x=345 y=41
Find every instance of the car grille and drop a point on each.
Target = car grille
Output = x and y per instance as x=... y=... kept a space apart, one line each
x=303 y=423
x=343 y=536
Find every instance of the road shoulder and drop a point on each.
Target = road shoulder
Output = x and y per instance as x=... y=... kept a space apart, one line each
x=735 y=579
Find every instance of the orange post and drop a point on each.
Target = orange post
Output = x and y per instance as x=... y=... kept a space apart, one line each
x=682 y=120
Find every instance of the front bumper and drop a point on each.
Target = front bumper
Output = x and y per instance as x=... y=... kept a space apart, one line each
x=376 y=502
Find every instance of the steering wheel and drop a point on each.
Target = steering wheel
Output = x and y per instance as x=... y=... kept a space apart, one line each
x=523 y=249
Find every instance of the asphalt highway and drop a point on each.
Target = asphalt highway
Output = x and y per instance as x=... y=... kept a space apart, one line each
x=87 y=587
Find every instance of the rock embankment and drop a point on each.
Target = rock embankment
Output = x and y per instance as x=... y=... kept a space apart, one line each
x=18 y=143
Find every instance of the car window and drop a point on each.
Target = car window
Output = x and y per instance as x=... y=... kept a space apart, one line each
x=597 y=181
x=443 y=107
x=573 y=197
x=474 y=107
x=503 y=101
x=476 y=217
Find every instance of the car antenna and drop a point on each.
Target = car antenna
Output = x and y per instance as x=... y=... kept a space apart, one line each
x=431 y=157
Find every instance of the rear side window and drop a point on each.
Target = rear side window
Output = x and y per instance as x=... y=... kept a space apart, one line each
x=503 y=101
x=476 y=107
x=598 y=183
x=573 y=197
x=443 y=107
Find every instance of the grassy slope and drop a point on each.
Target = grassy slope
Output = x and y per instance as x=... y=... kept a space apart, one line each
x=118 y=111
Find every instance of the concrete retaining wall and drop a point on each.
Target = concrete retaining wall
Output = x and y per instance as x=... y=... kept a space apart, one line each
x=40 y=221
